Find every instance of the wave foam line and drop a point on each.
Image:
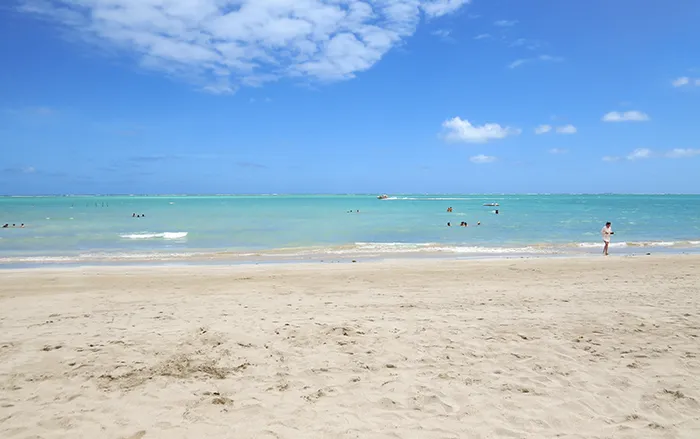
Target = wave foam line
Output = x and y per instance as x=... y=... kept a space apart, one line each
x=164 y=235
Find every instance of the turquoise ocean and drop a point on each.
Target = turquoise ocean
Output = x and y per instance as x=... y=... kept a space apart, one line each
x=99 y=229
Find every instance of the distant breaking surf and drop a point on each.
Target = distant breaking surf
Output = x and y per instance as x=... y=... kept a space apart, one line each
x=164 y=235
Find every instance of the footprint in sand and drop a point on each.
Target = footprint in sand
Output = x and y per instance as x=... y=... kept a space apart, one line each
x=137 y=435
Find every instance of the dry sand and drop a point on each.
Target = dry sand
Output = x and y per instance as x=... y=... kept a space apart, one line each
x=539 y=348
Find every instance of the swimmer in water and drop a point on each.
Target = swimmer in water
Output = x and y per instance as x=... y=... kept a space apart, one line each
x=5 y=226
x=449 y=225
x=496 y=211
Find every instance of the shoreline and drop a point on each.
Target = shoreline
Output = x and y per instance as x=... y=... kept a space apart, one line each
x=371 y=262
x=364 y=251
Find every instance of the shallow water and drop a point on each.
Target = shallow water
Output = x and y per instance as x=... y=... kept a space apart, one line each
x=99 y=228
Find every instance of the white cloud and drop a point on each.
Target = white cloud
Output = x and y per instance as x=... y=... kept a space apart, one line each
x=505 y=23
x=686 y=81
x=542 y=129
x=558 y=151
x=550 y=58
x=627 y=116
x=482 y=36
x=682 y=153
x=442 y=33
x=517 y=63
x=645 y=153
x=545 y=58
x=461 y=130
x=680 y=82
x=481 y=159
x=566 y=129
x=222 y=44
x=438 y=8
x=639 y=153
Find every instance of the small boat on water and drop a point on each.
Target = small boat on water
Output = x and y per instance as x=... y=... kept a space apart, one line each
x=382 y=197
x=491 y=204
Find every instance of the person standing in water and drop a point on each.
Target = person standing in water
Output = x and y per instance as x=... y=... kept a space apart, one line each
x=606 y=232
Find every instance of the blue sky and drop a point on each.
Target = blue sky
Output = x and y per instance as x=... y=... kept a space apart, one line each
x=309 y=96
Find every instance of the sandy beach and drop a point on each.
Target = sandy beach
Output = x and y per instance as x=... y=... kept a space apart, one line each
x=521 y=348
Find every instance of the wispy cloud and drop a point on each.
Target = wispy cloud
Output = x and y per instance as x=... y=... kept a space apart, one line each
x=505 y=23
x=550 y=58
x=482 y=159
x=567 y=129
x=443 y=34
x=517 y=63
x=627 y=116
x=482 y=36
x=679 y=153
x=526 y=43
x=558 y=151
x=544 y=58
x=220 y=45
x=564 y=129
x=20 y=170
x=31 y=111
x=543 y=129
x=461 y=130
x=646 y=153
x=685 y=81
x=680 y=82
x=639 y=154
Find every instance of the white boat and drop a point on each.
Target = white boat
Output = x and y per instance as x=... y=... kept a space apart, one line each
x=382 y=197
x=491 y=204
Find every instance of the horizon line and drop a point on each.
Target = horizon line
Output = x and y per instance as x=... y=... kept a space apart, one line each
x=343 y=194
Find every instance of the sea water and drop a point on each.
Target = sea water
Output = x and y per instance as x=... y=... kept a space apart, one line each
x=98 y=228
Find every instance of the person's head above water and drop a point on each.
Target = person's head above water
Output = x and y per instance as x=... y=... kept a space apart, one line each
x=608 y=224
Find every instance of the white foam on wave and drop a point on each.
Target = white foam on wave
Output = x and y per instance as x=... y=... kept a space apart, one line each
x=164 y=235
x=600 y=244
x=652 y=244
x=399 y=247
x=96 y=257
x=631 y=244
